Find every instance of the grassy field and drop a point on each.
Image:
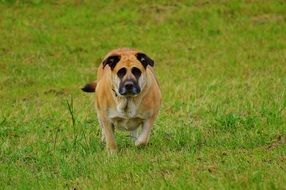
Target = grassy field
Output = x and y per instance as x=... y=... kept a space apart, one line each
x=222 y=71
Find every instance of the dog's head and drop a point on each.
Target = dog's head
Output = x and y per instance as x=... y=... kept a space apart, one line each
x=128 y=71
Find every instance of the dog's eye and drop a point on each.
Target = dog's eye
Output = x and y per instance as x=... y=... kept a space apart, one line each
x=121 y=72
x=136 y=72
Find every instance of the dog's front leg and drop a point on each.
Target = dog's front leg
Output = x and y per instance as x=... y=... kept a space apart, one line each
x=102 y=131
x=109 y=134
x=145 y=133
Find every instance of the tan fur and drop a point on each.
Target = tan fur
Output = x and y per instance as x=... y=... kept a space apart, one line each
x=126 y=113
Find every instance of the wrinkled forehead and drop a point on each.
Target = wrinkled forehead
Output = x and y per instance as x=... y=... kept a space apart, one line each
x=127 y=57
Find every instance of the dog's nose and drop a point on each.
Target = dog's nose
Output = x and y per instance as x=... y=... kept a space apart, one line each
x=129 y=86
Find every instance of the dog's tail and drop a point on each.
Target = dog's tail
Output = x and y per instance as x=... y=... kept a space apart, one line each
x=90 y=87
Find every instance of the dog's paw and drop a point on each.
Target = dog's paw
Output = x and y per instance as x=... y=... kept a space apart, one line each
x=111 y=148
x=102 y=139
x=112 y=151
x=140 y=143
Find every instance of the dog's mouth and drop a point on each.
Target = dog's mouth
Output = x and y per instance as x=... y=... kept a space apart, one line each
x=129 y=88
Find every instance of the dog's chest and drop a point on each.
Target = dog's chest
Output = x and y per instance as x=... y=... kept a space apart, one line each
x=125 y=108
x=125 y=116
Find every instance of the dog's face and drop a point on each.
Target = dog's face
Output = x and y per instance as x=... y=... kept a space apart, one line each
x=128 y=71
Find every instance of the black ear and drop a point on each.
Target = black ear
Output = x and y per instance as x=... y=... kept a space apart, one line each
x=111 y=61
x=145 y=60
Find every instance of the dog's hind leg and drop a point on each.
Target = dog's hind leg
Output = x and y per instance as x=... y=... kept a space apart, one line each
x=135 y=133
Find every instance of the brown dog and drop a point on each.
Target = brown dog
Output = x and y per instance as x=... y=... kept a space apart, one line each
x=128 y=96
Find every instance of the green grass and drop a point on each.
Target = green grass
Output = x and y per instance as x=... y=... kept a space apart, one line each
x=222 y=72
